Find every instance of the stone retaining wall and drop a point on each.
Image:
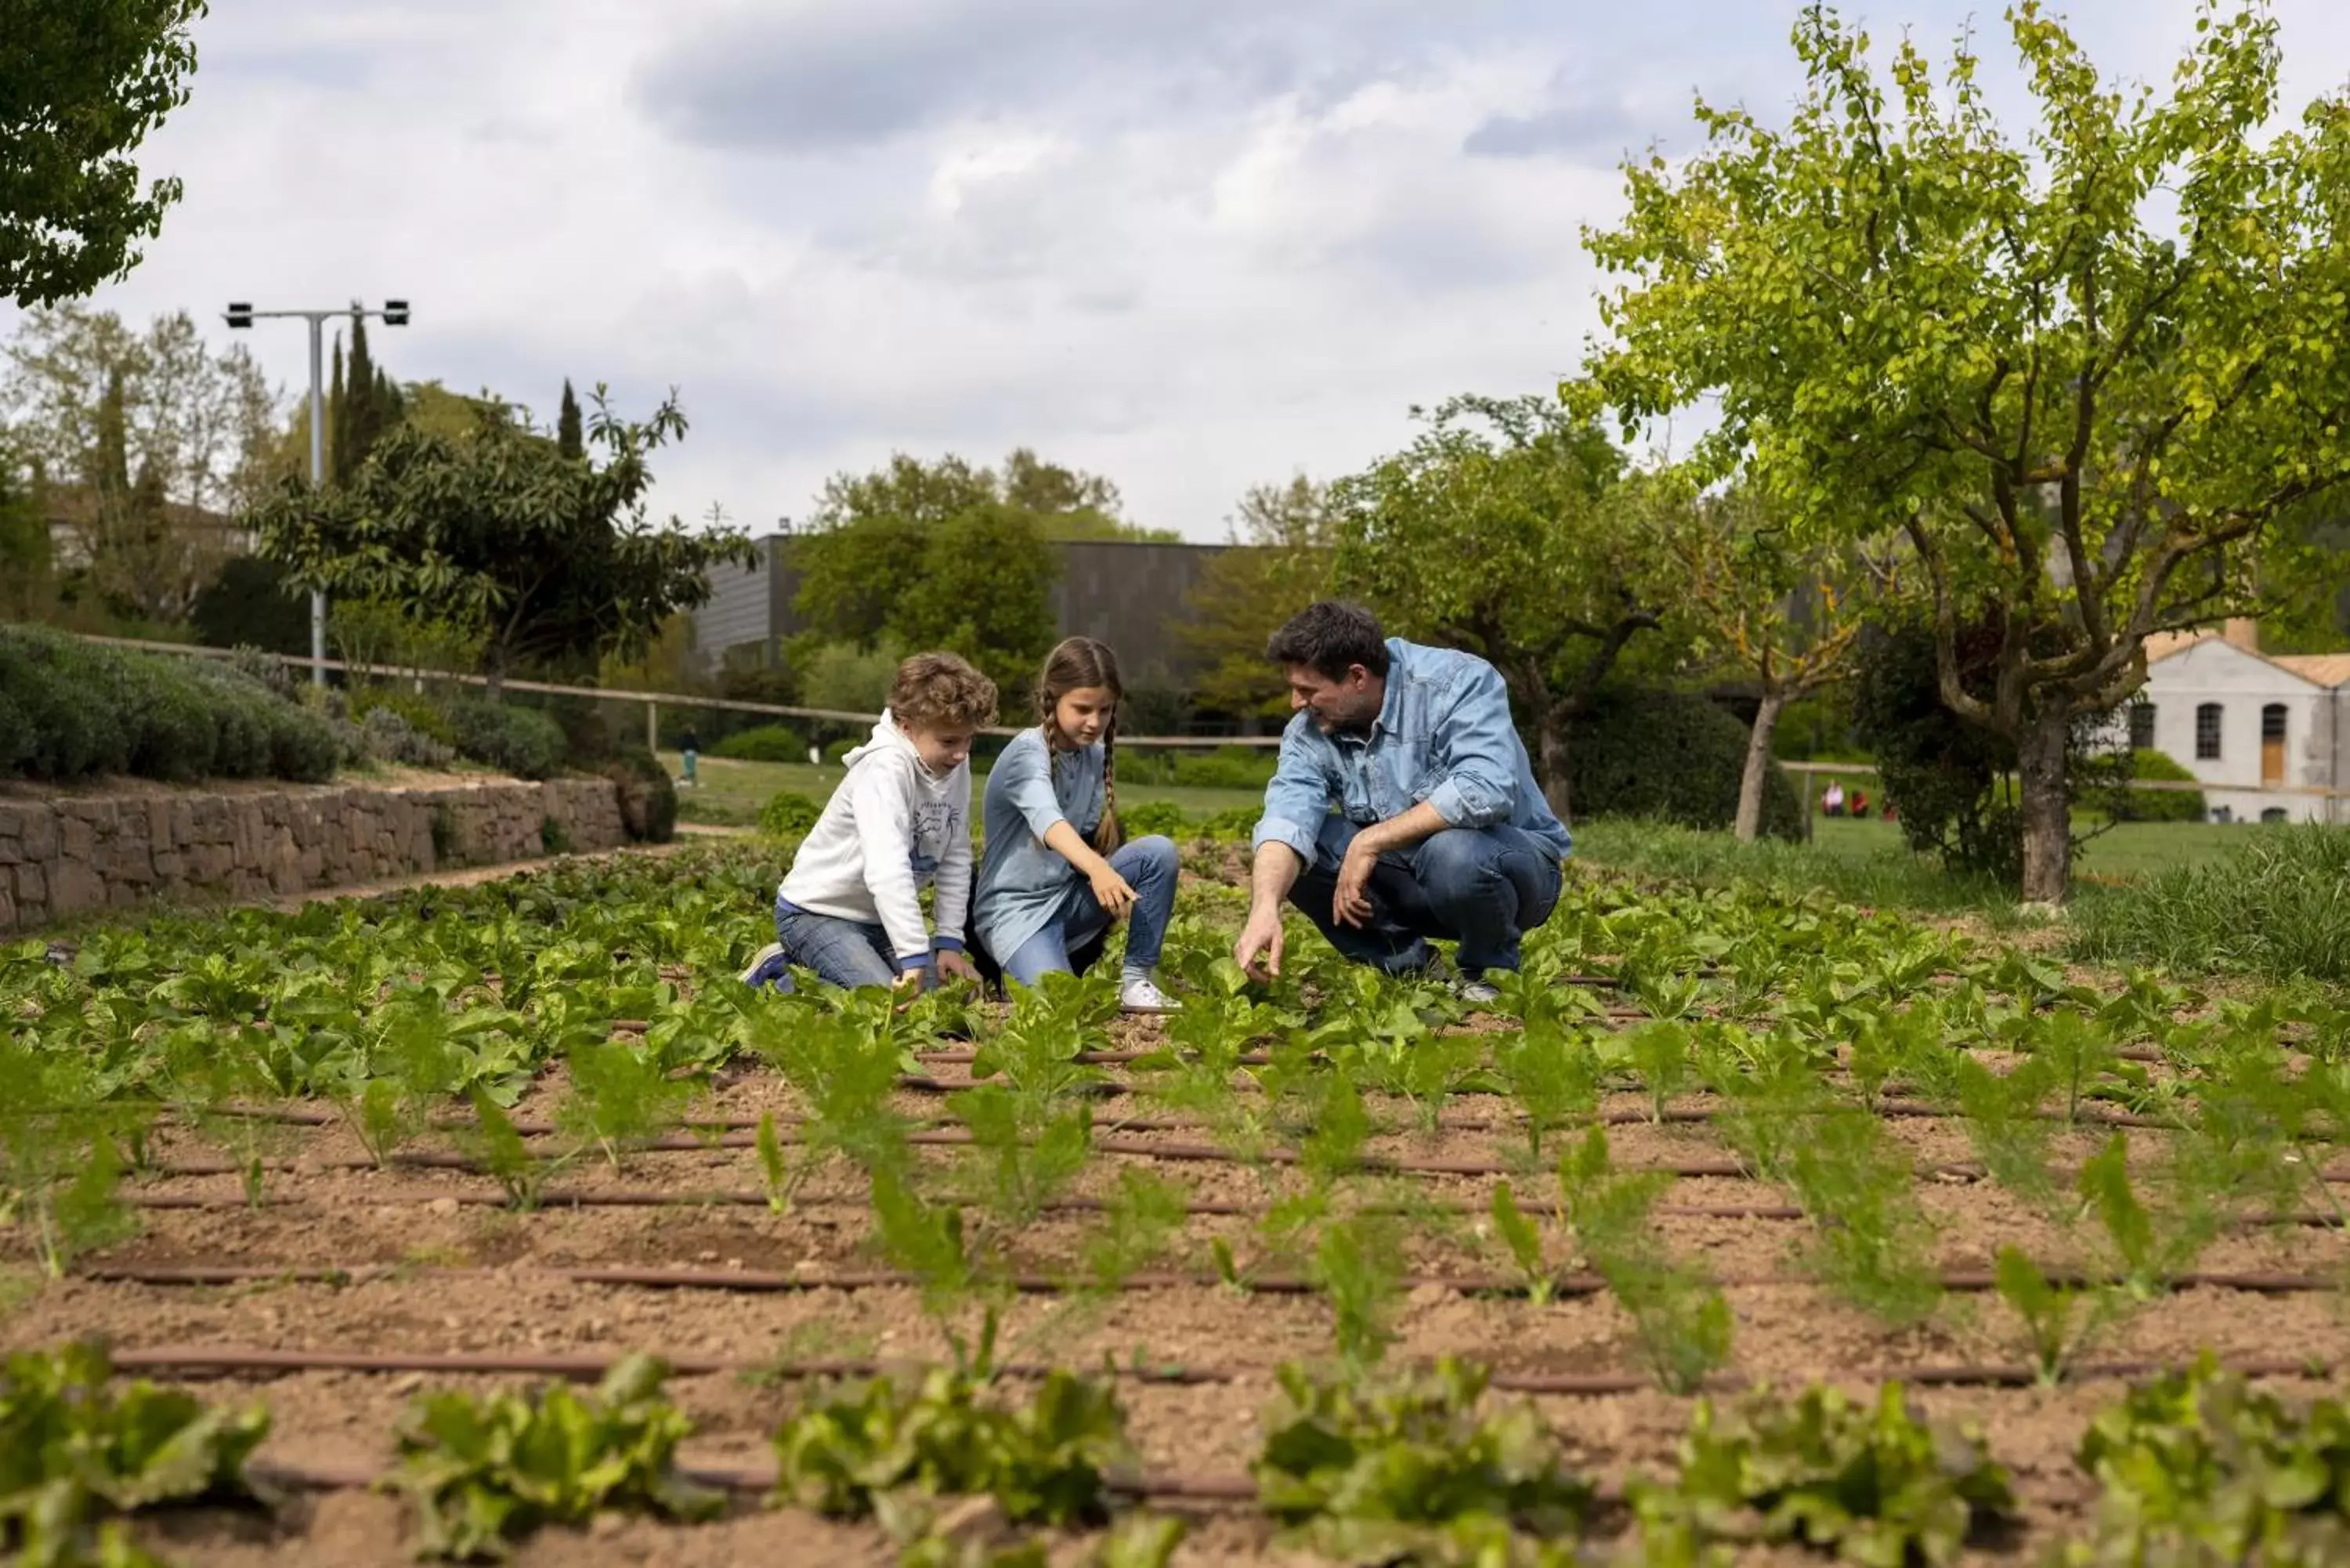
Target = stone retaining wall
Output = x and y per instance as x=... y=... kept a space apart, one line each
x=70 y=855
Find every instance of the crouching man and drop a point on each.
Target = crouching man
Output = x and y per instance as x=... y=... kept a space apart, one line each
x=1404 y=810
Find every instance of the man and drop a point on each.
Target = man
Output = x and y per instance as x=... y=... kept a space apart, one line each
x=1404 y=808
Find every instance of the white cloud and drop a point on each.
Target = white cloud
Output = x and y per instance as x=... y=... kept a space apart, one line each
x=1194 y=247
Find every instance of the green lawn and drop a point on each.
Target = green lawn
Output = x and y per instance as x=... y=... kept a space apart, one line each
x=2129 y=850
x=730 y=793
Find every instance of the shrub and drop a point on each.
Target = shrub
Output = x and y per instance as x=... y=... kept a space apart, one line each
x=388 y=737
x=1670 y=755
x=1157 y=818
x=73 y=710
x=2158 y=804
x=1226 y=767
x=837 y=676
x=424 y=715
x=522 y=742
x=648 y=795
x=763 y=744
x=788 y=815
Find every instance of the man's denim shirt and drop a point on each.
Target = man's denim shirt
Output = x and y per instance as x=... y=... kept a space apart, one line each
x=1443 y=736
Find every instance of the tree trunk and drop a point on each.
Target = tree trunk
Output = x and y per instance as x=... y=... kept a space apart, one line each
x=493 y=666
x=2047 y=809
x=1550 y=759
x=1758 y=766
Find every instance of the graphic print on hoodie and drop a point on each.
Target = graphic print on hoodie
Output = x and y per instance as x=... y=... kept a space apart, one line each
x=890 y=827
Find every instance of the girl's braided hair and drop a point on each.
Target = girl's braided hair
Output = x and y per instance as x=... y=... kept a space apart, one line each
x=1079 y=662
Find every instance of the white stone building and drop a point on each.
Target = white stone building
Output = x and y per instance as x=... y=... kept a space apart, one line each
x=2236 y=717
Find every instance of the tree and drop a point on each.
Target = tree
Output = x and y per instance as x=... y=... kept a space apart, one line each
x=2081 y=376
x=205 y=420
x=1279 y=562
x=1785 y=615
x=1509 y=528
x=24 y=542
x=81 y=84
x=495 y=531
x=933 y=554
x=568 y=438
x=337 y=419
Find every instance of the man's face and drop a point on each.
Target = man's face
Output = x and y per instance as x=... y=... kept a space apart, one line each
x=1350 y=704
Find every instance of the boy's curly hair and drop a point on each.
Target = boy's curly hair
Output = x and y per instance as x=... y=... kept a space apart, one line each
x=940 y=692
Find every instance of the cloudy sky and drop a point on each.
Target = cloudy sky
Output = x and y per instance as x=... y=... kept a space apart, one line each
x=1191 y=245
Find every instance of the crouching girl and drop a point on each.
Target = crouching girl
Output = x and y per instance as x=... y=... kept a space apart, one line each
x=1054 y=875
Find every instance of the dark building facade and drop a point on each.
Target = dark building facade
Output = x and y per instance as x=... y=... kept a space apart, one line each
x=1128 y=594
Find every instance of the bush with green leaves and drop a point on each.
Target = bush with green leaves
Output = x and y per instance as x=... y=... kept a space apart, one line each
x=2197 y=1467
x=72 y=709
x=1876 y=1485
x=484 y=1472
x=2275 y=909
x=1154 y=819
x=761 y=743
x=76 y=1453
x=893 y=1447
x=515 y=740
x=1677 y=756
x=648 y=794
x=2158 y=804
x=788 y=815
x=1410 y=1470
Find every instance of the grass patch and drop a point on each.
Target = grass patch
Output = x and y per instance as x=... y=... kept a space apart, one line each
x=2278 y=908
x=1867 y=866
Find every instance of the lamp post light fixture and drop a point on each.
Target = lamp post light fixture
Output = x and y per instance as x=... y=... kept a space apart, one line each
x=241 y=315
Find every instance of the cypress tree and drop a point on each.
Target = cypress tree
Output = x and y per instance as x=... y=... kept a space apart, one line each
x=359 y=432
x=391 y=408
x=570 y=440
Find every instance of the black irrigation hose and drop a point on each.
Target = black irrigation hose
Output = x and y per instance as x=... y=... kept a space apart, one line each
x=766 y=1280
x=201 y=1360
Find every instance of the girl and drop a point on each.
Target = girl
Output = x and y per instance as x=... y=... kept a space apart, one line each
x=850 y=908
x=1054 y=875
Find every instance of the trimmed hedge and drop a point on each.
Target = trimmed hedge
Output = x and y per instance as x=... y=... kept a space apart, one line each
x=73 y=710
x=1670 y=755
x=761 y=743
x=2159 y=804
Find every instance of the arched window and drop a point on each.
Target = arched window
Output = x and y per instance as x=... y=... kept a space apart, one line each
x=2207 y=733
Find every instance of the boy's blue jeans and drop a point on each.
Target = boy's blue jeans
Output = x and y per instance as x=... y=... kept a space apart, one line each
x=846 y=953
x=1483 y=887
x=1149 y=866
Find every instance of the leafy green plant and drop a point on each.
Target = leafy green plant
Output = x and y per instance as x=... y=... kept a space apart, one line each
x=76 y=1453
x=620 y=1098
x=1554 y=1078
x=891 y=1448
x=1679 y=1317
x=1524 y=1239
x=499 y=1147
x=845 y=1069
x=924 y=1238
x=2147 y=1246
x=1142 y=1216
x=2003 y=1121
x=483 y=1472
x=2196 y=1467
x=59 y=1161
x=1358 y=1268
x=2058 y=1320
x=772 y=1169
x=1659 y=1052
x=1020 y=1168
x=1407 y=1470
x=1873 y=1244
x=1877 y=1487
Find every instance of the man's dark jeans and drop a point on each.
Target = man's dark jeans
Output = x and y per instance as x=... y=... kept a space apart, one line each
x=1483 y=887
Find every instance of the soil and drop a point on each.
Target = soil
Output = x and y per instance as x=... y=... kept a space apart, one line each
x=442 y=1266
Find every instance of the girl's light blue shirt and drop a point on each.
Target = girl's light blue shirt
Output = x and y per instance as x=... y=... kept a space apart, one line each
x=1023 y=883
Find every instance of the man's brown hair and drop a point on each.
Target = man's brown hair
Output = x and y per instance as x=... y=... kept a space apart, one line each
x=940 y=692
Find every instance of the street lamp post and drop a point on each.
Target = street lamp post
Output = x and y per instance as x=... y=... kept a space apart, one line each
x=242 y=316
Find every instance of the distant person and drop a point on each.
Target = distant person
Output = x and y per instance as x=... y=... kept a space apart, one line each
x=850 y=908
x=1859 y=803
x=1832 y=799
x=691 y=744
x=1056 y=875
x=1438 y=830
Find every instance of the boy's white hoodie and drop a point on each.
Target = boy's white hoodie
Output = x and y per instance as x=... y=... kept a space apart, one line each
x=890 y=826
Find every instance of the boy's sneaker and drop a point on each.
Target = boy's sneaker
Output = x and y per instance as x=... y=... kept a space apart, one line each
x=768 y=968
x=1144 y=996
x=1476 y=993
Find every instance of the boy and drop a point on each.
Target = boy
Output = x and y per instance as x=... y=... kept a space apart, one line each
x=850 y=909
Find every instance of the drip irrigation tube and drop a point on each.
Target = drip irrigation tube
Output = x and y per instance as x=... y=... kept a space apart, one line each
x=766 y=1280
x=228 y=1360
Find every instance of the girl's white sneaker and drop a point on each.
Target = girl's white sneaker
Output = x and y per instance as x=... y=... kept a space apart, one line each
x=1144 y=996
